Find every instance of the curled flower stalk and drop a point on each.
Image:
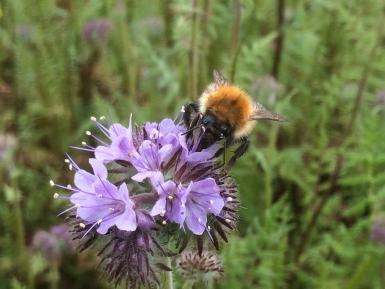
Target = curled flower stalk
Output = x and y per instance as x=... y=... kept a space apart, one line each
x=149 y=186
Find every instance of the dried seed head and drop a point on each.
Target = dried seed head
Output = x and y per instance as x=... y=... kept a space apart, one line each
x=199 y=268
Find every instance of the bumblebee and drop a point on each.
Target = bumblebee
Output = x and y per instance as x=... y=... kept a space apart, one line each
x=226 y=112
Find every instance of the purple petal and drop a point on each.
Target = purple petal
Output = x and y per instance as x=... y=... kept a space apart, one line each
x=198 y=157
x=206 y=194
x=98 y=168
x=127 y=220
x=83 y=180
x=159 y=206
x=104 y=154
x=196 y=220
x=156 y=177
x=165 y=153
x=117 y=130
x=106 y=189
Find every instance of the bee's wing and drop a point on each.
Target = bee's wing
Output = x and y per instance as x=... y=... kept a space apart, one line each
x=260 y=112
x=219 y=79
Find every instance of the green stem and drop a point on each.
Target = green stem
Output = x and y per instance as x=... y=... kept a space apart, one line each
x=188 y=284
x=20 y=242
x=169 y=278
x=193 y=54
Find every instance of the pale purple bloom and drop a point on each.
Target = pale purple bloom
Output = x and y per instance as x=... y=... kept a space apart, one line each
x=48 y=245
x=97 y=30
x=188 y=205
x=171 y=203
x=378 y=231
x=99 y=202
x=149 y=161
x=202 y=198
x=62 y=233
x=121 y=146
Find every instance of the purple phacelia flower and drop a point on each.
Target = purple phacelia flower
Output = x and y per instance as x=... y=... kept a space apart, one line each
x=97 y=31
x=121 y=143
x=150 y=160
x=105 y=205
x=48 y=245
x=378 y=231
x=178 y=189
x=202 y=198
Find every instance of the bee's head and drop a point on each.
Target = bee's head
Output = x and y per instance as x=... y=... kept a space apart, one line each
x=216 y=127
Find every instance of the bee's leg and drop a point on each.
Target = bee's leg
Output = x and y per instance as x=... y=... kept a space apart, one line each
x=222 y=151
x=241 y=149
x=188 y=110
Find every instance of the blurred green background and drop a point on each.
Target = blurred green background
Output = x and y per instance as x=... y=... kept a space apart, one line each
x=312 y=189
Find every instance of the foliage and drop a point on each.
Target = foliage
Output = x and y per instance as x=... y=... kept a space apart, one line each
x=311 y=188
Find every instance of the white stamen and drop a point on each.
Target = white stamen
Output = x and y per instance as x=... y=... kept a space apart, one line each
x=88 y=132
x=229 y=199
x=82 y=225
x=55 y=195
x=164 y=222
x=69 y=186
x=51 y=183
x=77 y=205
x=203 y=128
x=99 y=221
x=70 y=167
x=67 y=161
x=102 y=117
x=227 y=220
x=84 y=143
x=182 y=110
x=93 y=118
x=162 y=213
x=170 y=197
x=211 y=202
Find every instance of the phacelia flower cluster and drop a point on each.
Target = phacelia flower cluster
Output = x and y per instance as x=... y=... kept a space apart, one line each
x=149 y=187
